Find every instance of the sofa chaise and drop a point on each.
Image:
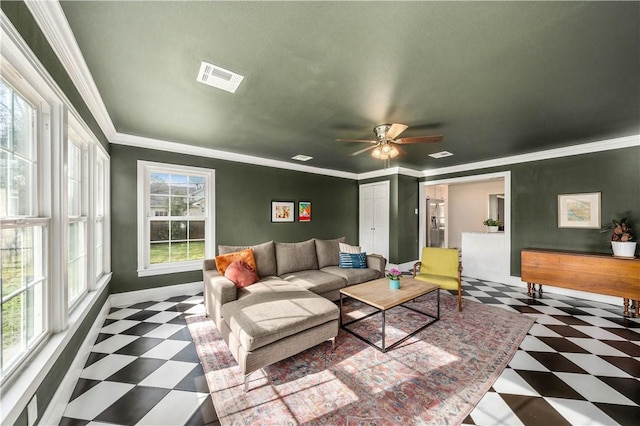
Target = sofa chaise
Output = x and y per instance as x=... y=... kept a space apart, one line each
x=291 y=307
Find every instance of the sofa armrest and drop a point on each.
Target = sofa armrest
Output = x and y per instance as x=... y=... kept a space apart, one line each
x=377 y=262
x=218 y=290
x=209 y=264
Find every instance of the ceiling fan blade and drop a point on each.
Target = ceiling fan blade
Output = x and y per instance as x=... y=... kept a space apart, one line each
x=363 y=150
x=420 y=139
x=355 y=140
x=395 y=130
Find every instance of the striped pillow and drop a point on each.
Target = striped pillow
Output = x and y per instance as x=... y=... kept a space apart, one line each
x=346 y=248
x=353 y=260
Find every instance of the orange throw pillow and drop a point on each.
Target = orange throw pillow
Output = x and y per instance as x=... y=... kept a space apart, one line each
x=224 y=260
x=241 y=273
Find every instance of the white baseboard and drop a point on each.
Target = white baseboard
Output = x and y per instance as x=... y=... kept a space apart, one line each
x=55 y=410
x=517 y=282
x=155 y=293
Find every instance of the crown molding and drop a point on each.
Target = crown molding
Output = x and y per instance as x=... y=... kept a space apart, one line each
x=52 y=21
x=568 y=151
x=180 y=148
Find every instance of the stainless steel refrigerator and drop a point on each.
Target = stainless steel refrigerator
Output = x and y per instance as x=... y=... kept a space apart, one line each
x=435 y=223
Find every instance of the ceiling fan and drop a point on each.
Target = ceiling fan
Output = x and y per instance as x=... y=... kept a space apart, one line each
x=386 y=145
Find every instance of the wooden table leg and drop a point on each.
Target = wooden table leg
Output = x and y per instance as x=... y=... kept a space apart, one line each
x=636 y=304
x=626 y=307
x=529 y=289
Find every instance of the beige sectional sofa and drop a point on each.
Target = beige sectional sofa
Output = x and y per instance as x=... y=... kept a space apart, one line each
x=290 y=308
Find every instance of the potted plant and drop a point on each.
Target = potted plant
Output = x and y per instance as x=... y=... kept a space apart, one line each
x=492 y=225
x=394 y=278
x=622 y=238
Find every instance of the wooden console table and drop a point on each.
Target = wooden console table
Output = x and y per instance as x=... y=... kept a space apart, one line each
x=592 y=272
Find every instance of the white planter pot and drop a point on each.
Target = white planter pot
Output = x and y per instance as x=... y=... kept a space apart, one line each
x=493 y=228
x=624 y=249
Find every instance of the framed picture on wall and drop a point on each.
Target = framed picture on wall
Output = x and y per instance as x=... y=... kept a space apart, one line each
x=304 y=211
x=579 y=210
x=282 y=211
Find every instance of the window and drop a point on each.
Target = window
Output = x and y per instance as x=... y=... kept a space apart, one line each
x=77 y=219
x=22 y=234
x=100 y=201
x=175 y=217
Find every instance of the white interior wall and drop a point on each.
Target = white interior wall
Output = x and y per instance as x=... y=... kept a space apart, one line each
x=469 y=207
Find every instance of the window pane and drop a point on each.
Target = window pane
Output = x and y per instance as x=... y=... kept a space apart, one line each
x=179 y=252
x=179 y=185
x=77 y=267
x=159 y=205
x=196 y=230
x=178 y=206
x=22 y=127
x=6 y=107
x=159 y=253
x=159 y=183
x=74 y=198
x=13 y=330
x=35 y=312
x=178 y=230
x=159 y=230
x=196 y=250
x=17 y=259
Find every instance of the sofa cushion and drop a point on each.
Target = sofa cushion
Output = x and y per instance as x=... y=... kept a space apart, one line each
x=224 y=260
x=353 y=276
x=327 y=252
x=241 y=273
x=263 y=318
x=293 y=257
x=264 y=255
x=346 y=248
x=316 y=281
x=353 y=260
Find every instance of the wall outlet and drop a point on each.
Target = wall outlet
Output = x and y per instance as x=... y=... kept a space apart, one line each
x=32 y=410
x=416 y=211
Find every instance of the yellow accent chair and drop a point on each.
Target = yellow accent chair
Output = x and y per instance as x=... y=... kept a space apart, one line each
x=440 y=266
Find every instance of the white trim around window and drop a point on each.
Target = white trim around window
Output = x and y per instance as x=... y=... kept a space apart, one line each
x=200 y=213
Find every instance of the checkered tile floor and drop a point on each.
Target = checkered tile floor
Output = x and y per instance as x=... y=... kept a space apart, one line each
x=578 y=365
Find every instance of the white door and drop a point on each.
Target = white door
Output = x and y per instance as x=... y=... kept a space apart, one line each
x=374 y=218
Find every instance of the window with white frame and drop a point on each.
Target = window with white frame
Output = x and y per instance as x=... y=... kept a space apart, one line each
x=100 y=201
x=51 y=257
x=175 y=217
x=23 y=260
x=77 y=218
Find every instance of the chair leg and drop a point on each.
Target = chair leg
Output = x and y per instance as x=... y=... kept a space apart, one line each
x=459 y=299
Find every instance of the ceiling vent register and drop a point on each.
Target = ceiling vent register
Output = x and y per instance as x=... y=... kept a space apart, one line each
x=219 y=77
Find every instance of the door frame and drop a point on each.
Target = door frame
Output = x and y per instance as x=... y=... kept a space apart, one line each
x=467 y=179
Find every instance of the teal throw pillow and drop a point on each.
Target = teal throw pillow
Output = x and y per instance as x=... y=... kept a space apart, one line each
x=353 y=260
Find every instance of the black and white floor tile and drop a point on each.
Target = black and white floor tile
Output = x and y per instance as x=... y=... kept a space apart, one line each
x=578 y=365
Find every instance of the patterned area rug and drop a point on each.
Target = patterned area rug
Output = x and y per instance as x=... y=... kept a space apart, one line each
x=435 y=377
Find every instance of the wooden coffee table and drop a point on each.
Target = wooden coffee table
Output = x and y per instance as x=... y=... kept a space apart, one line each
x=378 y=295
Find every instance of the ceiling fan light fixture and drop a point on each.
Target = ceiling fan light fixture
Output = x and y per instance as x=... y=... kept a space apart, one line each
x=385 y=152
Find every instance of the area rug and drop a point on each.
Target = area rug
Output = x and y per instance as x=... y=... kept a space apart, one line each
x=435 y=377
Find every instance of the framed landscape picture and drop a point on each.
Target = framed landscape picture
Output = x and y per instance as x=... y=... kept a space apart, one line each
x=304 y=211
x=579 y=210
x=282 y=211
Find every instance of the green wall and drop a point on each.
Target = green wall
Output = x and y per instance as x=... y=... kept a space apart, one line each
x=535 y=187
x=243 y=204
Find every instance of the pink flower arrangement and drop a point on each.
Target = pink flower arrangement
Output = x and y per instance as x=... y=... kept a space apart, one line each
x=394 y=274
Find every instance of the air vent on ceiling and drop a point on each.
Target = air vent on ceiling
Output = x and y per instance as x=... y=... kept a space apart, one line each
x=221 y=78
x=441 y=154
x=301 y=157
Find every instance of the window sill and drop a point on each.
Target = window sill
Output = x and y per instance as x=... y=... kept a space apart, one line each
x=170 y=268
x=19 y=391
